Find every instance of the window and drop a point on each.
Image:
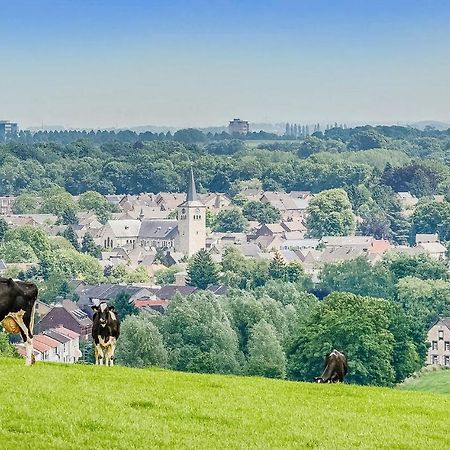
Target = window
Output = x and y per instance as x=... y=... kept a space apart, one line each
x=441 y=335
x=447 y=346
x=434 y=359
x=446 y=360
x=434 y=345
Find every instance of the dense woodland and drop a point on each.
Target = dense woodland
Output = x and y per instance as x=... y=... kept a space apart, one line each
x=273 y=322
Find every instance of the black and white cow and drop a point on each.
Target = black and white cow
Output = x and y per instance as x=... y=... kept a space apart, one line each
x=105 y=332
x=335 y=368
x=17 y=301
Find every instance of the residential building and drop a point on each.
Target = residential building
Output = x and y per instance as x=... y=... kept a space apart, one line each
x=434 y=249
x=6 y=204
x=108 y=292
x=191 y=222
x=439 y=339
x=238 y=126
x=68 y=315
x=55 y=345
x=8 y=130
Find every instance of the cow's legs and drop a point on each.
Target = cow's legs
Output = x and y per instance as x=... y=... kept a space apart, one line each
x=99 y=356
x=27 y=336
x=109 y=352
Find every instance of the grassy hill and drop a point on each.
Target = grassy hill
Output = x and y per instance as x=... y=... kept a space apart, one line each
x=72 y=407
x=430 y=381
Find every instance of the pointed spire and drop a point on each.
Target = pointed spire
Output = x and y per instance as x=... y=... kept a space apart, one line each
x=192 y=193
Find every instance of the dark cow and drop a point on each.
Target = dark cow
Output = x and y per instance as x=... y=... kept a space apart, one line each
x=335 y=368
x=105 y=332
x=17 y=301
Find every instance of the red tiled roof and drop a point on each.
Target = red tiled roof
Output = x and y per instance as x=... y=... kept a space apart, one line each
x=150 y=302
x=380 y=246
x=39 y=346
x=65 y=332
x=46 y=340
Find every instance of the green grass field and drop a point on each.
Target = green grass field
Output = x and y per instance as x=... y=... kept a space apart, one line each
x=429 y=381
x=86 y=407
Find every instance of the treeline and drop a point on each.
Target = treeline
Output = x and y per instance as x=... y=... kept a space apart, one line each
x=187 y=136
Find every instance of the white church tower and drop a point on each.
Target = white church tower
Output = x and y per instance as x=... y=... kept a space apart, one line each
x=191 y=222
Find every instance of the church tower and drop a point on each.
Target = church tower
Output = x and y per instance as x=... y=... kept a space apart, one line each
x=191 y=222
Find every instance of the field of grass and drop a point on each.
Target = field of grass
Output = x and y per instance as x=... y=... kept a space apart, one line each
x=72 y=407
x=429 y=381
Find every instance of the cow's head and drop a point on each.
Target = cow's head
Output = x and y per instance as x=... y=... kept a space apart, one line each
x=103 y=313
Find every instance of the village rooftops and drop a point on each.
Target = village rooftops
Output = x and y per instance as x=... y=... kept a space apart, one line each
x=125 y=228
x=158 y=229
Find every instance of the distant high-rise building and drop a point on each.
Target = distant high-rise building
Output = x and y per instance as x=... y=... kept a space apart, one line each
x=7 y=130
x=238 y=126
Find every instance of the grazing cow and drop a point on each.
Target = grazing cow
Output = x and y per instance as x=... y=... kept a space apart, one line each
x=17 y=305
x=105 y=331
x=335 y=368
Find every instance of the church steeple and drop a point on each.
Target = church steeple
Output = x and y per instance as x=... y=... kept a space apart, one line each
x=192 y=192
x=191 y=222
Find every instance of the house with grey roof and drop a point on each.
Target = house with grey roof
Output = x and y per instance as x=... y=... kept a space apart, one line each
x=438 y=337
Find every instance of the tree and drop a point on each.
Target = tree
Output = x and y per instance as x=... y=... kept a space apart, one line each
x=277 y=267
x=72 y=264
x=365 y=140
x=36 y=238
x=432 y=217
x=365 y=328
x=166 y=276
x=70 y=235
x=330 y=214
x=87 y=352
x=123 y=306
x=189 y=136
x=88 y=246
x=241 y=272
x=140 y=344
x=56 y=200
x=201 y=270
x=261 y=212
x=56 y=285
x=68 y=217
x=3 y=228
x=198 y=335
x=25 y=204
x=6 y=349
x=138 y=275
x=231 y=220
x=15 y=251
x=265 y=355
x=94 y=201
x=421 y=266
x=375 y=223
x=360 y=277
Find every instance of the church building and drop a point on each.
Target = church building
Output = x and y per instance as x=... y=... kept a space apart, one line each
x=191 y=222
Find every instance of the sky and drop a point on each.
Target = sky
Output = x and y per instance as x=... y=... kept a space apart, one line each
x=111 y=63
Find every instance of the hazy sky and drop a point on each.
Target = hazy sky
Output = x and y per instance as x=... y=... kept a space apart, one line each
x=198 y=63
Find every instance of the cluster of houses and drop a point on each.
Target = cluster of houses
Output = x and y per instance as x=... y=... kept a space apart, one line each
x=174 y=225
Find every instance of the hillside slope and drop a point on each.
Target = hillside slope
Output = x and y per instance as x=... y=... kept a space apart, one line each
x=72 y=407
x=429 y=381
